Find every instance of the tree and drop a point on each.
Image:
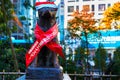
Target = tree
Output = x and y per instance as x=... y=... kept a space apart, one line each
x=100 y=58
x=82 y=21
x=111 y=20
x=116 y=60
x=80 y=59
x=111 y=17
x=6 y=11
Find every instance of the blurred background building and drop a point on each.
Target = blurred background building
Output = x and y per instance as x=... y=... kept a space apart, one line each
x=26 y=15
x=109 y=39
x=95 y=6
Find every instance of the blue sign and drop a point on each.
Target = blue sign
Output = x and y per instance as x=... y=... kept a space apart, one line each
x=109 y=39
x=22 y=41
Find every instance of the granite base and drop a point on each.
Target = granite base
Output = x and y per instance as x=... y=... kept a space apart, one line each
x=65 y=77
x=44 y=74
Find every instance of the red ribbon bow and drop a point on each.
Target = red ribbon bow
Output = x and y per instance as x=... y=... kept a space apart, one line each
x=43 y=39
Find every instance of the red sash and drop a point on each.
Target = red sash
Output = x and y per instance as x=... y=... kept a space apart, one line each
x=43 y=39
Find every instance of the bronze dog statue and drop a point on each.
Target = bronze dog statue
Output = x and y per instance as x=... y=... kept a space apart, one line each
x=41 y=59
x=46 y=57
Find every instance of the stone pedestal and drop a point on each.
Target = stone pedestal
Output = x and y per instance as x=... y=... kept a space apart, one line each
x=66 y=77
x=44 y=74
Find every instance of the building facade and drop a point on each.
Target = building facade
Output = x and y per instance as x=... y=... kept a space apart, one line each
x=27 y=16
x=97 y=7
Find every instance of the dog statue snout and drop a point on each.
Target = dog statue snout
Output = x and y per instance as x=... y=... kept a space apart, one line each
x=47 y=14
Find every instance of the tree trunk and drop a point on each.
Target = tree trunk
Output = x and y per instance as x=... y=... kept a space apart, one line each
x=9 y=33
x=87 y=51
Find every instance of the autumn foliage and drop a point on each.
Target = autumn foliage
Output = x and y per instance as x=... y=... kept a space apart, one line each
x=111 y=15
x=81 y=21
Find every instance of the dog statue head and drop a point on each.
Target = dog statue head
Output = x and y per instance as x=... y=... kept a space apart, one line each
x=47 y=15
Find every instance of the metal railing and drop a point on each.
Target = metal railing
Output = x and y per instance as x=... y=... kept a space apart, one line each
x=75 y=76
x=94 y=77
x=10 y=75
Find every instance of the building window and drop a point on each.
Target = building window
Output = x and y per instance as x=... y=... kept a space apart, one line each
x=93 y=8
x=88 y=0
x=69 y=15
x=100 y=13
x=101 y=7
x=109 y=5
x=70 y=8
x=77 y=0
x=86 y=7
x=71 y=0
x=15 y=1
x=77 y=8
